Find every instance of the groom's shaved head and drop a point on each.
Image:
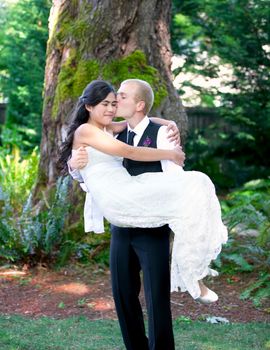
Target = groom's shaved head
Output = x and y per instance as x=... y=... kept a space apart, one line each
x=143 y=92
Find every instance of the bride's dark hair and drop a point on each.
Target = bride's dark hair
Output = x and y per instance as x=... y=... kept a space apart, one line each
x=93 y=94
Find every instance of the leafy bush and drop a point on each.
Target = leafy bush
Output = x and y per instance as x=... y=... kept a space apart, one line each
x=84 y=248
x=26 y=232
x=211 y=36
x=17 y=135
x=205 y=149
x=249 y=208
x=247 y=214
x=202 y=155
x=33 y=234
x=23 y=37
x=17 y=176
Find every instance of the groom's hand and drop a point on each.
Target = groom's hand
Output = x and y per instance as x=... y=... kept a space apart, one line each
x=179 y=156
x=79 y=159
x=173 y=133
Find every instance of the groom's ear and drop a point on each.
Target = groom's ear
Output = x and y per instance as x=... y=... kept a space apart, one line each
x=140 y=106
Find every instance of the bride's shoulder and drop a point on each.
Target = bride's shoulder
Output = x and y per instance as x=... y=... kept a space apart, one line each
x=85 y=128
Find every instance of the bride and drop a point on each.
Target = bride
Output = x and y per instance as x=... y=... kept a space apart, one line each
x=186 y=200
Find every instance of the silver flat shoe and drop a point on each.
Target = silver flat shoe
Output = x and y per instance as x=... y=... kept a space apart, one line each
x=208 y=298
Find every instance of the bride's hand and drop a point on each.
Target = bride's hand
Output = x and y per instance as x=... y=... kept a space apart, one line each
x=179 y=156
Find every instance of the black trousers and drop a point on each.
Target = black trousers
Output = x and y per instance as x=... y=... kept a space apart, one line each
x=133 y=250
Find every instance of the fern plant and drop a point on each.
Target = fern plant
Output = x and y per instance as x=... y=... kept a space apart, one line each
x=34 y=236
x=259 y=290
x=247 y=215
x=41 y=232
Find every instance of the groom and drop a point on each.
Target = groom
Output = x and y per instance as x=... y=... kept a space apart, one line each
x=140 y=249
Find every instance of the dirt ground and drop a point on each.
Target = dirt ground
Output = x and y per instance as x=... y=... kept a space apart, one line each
x=86 y=291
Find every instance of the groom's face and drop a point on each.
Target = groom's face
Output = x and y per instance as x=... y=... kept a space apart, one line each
x=126 y=97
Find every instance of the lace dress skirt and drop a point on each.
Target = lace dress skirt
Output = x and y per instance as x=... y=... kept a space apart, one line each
x=186 y=201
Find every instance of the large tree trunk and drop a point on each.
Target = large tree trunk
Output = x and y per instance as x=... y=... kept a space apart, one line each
x=109 y=39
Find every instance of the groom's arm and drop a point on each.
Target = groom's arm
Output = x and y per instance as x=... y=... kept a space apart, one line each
x=77 y=161
x=75 y=174
x=172 y=131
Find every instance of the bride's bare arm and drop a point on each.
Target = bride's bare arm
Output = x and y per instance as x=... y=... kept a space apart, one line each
x=89 y=135
x=117 y=127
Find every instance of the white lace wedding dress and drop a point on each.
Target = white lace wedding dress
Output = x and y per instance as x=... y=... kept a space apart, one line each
x=185 y=200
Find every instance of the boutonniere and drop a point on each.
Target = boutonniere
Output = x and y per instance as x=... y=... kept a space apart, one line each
x=147 y=142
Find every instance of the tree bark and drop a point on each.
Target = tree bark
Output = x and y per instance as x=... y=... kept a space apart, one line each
x=85 y=32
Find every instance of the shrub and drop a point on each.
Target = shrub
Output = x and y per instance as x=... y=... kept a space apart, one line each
x=247 y=214
x=32 y=234
x=17 y=176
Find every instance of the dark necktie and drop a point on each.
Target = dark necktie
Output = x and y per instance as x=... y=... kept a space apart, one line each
x=131 y=135
x=130 y=141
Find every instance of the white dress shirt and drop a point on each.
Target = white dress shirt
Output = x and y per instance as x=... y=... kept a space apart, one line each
x=162 y=142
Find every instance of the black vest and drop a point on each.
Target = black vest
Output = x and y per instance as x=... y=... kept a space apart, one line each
x=148 y=139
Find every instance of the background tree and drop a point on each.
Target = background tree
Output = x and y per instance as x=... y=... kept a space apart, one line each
x=109 y=40
x=23 y=37
x=235 y=33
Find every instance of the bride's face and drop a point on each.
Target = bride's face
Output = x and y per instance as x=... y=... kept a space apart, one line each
x=103 y=113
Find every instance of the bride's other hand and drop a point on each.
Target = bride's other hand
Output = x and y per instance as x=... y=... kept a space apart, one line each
x=79 y=159
x=179 y=156
x=173 y=133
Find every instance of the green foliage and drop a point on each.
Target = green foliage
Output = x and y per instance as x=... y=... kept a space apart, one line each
x=23 y=37
x=17 y=176
x=201 y=148
x=204 y=148
x=250 y=204
x=238 y=34
x=259 y=290
x=11 y=247
x=19 y=136
x=247 y=214
x=31 y=234
x=34 y=235
x=84 y=248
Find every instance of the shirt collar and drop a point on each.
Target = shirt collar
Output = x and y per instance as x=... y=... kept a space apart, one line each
x=140 y=128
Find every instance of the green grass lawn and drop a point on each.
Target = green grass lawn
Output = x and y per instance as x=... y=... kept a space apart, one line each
x=79 y=333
